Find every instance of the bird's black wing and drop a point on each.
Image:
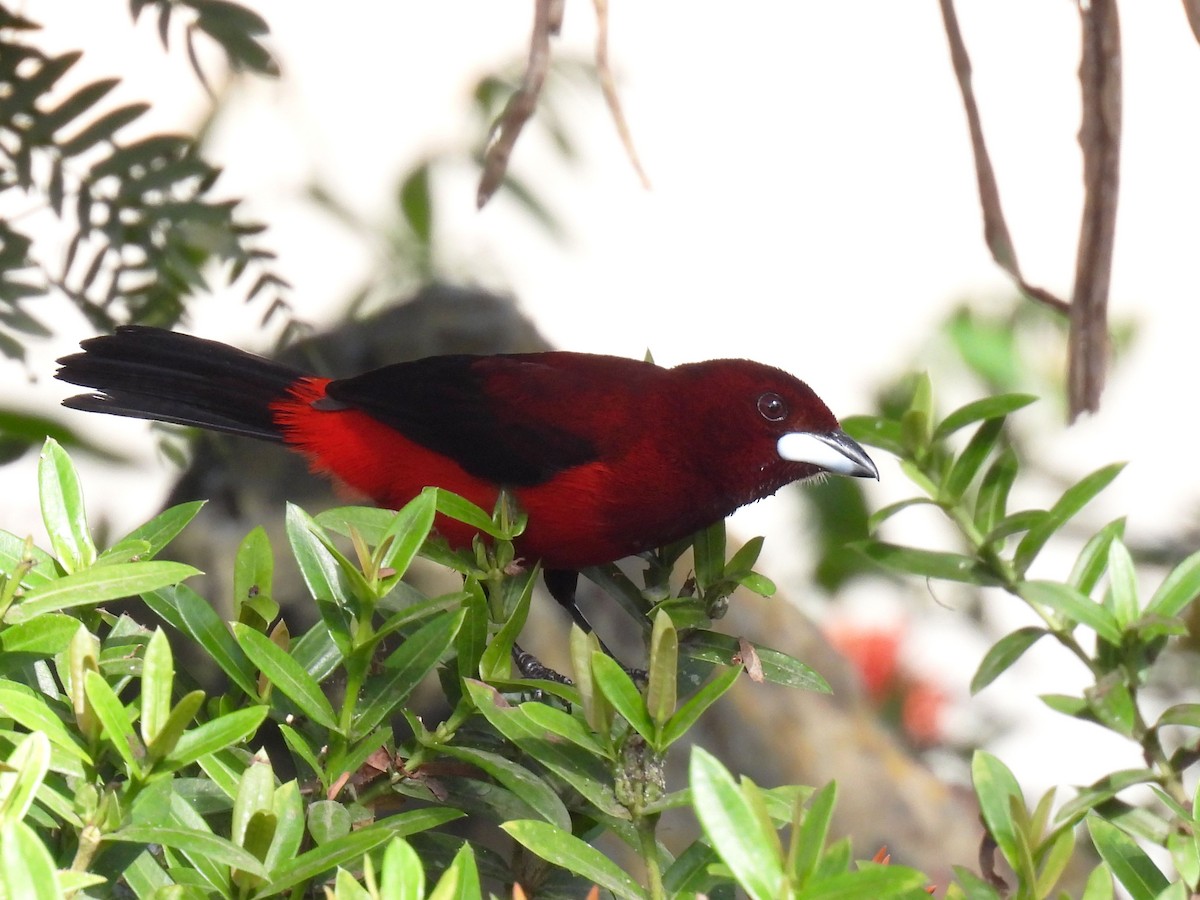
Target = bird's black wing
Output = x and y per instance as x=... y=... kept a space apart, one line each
x=481 y=411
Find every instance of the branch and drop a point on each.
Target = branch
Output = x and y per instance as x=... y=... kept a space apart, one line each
x=547 y=20
x=1100 y=140
x=995 y=229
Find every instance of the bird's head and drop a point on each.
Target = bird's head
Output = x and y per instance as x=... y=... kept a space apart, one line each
x=768 y=428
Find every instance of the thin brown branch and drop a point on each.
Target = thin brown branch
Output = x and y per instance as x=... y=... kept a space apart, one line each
x=609 y=87
x=995 y=229
x=1192 y=8
x=547 y=21
x=1100 y=140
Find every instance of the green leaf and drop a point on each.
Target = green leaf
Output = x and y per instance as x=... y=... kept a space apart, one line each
x=1180 y=714
x=733 y=829
x=31 y=710
x=1099 y=884
x=254 y=575
x=1178 y=589
x=46 y=635
x=286 y=675
x=596 y=709
x=1003 y=654
x=998 y=792
x=102 y=129
x=189 y=613
x=562 y=848
x=1072 y=606
x=14 y=549
x=288 y=807
x=989 y=408
x=370 y=522
x=778 y=668
x=875 y=431
x=1129 y=863
x=176 y=724
x=694 y=707
x=63 y=511
x=1054 y=861
x=417 y=205
x=193 y=842
x=663 y=676
x=992 y=500
x=1071 y=502
x=623 y=694
x=407 y=668
x=99 y=585
x=1093 y=559
x=164 y=527
x=564 y=725
x=352 y=847
x=26 y=866
x=454 y=506
x=22 y=776
x=401 y=876
x=809 y=836
x=256 y=792
x=539 y=796
x=1121 y=599
x=327 y=820
x=209 y=737
x=971 y=460
x=318 y=563
x=927 y=563
x=408 y=531
x=158 y=679
x=577 y=767
x=118 y=730
x=708 y=554
x=460 y=881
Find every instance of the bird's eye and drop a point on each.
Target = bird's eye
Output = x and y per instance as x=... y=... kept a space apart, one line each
x=772 y=408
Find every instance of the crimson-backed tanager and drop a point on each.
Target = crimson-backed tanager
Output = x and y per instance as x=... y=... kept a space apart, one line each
x=609 y=457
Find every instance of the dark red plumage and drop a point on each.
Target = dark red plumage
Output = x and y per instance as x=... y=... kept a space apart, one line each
x=608 y=456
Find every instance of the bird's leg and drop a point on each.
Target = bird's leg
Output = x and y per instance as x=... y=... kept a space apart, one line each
x=531 y=667
x=562 y=585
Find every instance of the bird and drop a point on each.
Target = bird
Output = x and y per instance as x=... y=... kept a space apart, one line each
x=608 y=457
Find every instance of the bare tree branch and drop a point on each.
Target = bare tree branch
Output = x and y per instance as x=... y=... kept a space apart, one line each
x=1100 y=140
x=1192 y=8
x=547 y=21
x=995 y=229
x=608 y=85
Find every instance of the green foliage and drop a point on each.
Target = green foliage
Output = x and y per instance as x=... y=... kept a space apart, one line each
x=1095 y=613
x=138 y=215
x=122 y=771
x=123 y=774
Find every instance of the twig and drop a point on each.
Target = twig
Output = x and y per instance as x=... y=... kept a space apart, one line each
x=1100 y=140
x=547 y=20
x=995 y=229
x=609 y=87
x=1192 y=8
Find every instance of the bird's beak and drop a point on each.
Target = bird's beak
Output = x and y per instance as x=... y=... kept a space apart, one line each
x=834 y=451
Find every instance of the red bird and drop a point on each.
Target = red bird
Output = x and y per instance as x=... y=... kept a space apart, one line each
x=608 y=456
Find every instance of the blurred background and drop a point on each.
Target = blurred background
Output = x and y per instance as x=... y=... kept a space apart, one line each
x=813 y=206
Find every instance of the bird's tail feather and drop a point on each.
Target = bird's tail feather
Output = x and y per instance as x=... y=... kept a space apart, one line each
x=149 y=373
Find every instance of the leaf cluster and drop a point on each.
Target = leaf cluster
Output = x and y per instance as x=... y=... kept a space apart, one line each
x=1096 y=613
x=122 y=775
x=139 y=218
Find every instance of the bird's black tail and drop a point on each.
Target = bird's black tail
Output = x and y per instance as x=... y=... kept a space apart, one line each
x=149 y=373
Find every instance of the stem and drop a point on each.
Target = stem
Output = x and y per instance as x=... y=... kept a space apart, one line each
x=646 y=826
